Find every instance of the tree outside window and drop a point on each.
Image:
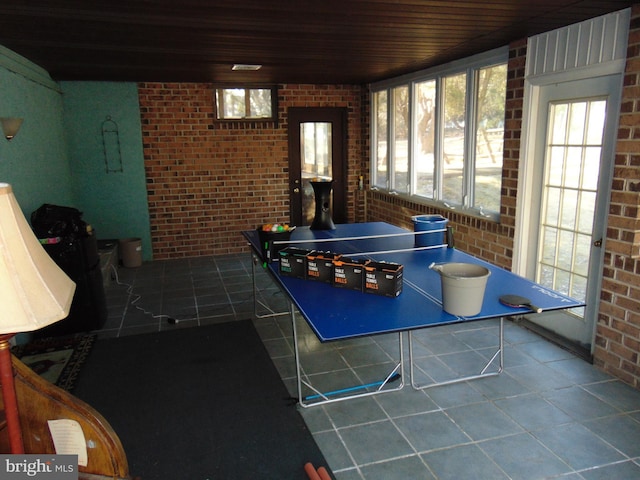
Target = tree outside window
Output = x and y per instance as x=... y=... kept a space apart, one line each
x=454 y=123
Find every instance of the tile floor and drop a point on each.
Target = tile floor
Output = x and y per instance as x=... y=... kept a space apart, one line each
x=548 y=415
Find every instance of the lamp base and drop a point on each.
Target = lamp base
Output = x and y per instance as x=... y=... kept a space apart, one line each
x=9 y=396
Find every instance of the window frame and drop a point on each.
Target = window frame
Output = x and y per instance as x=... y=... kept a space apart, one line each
x=469 y=66
x=247 y=89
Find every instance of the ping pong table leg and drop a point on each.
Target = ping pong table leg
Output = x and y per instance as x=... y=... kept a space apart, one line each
x=255 y=260
x=321 y=398
x=296 y=353
x=499 y=354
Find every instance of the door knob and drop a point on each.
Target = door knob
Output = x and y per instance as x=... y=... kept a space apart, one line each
x=296 y=190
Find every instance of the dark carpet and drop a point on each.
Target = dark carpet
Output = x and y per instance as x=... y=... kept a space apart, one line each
x=198 y=403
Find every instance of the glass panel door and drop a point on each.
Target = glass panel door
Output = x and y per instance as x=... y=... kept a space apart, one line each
x=317 y=148
x=574 y=147
x=572 y=168
x=315 y=162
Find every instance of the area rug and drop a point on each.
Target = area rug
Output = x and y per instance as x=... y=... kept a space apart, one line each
x=56 y=359
x=198 y=403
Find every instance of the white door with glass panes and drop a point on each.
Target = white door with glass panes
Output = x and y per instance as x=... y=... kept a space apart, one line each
x=573 y=162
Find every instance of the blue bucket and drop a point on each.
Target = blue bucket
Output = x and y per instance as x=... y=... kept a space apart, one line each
x=422 y=223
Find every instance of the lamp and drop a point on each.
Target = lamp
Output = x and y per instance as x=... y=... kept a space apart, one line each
x=34 y=293
x=10 y=126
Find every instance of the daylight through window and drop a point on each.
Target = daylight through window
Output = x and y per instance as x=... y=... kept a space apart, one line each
x=438 y=135
x=245 y=103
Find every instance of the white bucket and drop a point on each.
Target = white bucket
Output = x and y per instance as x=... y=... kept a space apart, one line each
x=463 y=286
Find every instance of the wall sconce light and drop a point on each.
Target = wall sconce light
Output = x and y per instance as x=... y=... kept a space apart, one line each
x=10 y=126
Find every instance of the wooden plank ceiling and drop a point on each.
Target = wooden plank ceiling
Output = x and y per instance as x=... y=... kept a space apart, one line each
x=296 y=41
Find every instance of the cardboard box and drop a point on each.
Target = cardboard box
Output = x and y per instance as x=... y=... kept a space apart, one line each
x=320 y=266
x=293 y=262
x=383 y=278
x=349 y=273
x=268 y=248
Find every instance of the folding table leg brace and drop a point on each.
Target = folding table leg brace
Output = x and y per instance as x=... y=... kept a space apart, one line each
x=499 y=354
x=254 y=261
x=321 y=398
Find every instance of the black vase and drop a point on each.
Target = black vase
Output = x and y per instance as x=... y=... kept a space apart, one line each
x=322 y=219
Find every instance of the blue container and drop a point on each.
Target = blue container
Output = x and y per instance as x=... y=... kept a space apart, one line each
x=422 y=223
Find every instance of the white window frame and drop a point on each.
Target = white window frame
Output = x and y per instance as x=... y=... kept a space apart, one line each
x=470 y=66
x=219 y=92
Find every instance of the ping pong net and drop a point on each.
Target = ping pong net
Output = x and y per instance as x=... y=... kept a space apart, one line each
x=375 y=243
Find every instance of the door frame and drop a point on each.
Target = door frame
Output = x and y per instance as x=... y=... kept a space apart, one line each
x=337 y=116
x=529 y=186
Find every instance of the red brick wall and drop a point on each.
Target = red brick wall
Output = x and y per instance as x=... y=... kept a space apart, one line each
x=485 y=239
x=618 y=329
x=208 y=181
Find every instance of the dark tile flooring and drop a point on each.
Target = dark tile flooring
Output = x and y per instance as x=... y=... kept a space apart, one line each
x=548 y=415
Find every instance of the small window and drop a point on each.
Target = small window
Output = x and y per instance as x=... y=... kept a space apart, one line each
x=246 y=103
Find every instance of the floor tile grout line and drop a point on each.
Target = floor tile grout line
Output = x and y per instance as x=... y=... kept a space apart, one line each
x=624 y=407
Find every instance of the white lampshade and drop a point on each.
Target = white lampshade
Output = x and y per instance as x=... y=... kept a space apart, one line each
x=34 y=291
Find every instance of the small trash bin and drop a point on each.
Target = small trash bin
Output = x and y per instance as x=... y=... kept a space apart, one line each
x=424 y=223
x=130 y=252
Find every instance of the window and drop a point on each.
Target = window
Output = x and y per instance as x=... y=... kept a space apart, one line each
x=424 y=138
x=453 y=153
x=400 y=143
x=381 y=134
x=246 y=104
x=437 y=135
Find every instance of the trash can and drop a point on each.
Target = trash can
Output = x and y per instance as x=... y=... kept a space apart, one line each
x=428 y=223
x=130 y=252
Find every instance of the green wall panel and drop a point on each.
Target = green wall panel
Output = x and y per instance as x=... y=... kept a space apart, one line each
x=36 y=161
x=114 y=202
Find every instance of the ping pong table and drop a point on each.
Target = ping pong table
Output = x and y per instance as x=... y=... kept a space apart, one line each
x=336 y=314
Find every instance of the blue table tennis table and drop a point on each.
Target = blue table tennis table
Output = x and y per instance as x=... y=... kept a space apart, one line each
x=339 y=314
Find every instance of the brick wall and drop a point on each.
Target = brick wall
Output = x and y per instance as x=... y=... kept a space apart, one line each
x=482 y=238
x=618 y=328
x=208 y=181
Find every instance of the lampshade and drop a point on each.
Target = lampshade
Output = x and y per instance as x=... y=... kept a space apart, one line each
x=34 y=291
x=10 y=126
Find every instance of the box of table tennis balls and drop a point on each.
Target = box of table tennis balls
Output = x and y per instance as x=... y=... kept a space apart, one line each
x=268 y=234
x=383 y=278
x=348 y=273
x=293 y=262
x=320 y=266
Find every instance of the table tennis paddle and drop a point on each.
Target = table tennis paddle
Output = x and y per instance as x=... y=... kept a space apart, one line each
x=518 y=301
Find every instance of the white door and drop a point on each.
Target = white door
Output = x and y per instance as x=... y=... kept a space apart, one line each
x=573 y=162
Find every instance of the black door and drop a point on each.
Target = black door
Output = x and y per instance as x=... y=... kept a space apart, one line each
x=317 y=149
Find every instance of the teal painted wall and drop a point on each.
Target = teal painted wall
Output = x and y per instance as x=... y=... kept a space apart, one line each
x=115 y=203
x=36 y=161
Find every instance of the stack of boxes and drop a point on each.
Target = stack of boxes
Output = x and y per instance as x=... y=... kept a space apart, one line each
x=293 y=262
x=320 y=266
x=379 y=278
